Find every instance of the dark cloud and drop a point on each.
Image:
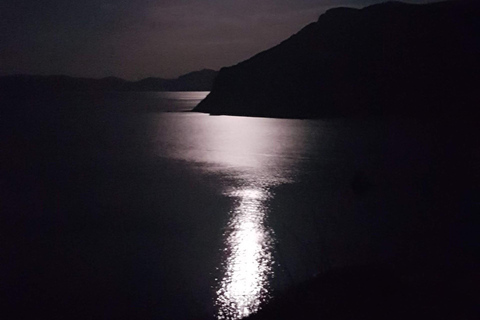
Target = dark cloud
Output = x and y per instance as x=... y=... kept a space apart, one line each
x=139 y=38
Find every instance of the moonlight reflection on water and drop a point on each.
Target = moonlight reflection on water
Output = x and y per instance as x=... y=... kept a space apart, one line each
x=252 y=155
x=249 y=258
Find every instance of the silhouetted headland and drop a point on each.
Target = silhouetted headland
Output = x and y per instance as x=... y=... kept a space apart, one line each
x=193 y=81
x=386 y=59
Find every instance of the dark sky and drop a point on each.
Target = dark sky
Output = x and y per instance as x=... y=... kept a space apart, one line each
x=134 y=39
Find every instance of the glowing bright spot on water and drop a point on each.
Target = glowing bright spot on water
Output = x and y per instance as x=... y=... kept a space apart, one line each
x=249 y=260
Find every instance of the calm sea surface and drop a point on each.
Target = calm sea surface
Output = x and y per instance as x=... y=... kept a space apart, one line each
x=123 y=205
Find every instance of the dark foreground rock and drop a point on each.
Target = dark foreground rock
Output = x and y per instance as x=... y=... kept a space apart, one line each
x=386 y=59
x=373 y=292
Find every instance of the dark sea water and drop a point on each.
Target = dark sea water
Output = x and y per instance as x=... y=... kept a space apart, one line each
x=124 y=206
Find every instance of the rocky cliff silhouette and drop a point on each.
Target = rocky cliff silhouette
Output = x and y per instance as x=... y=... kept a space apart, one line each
x=386 y=59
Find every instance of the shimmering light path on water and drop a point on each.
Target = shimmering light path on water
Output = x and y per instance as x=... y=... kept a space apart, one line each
x=249 y=260
x=253 y=156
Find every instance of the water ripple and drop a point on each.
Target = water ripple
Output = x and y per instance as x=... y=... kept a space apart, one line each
x=248 y=265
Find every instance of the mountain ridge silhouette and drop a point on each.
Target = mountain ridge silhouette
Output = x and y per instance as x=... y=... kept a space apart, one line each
x=194 y=81
x=386 y=59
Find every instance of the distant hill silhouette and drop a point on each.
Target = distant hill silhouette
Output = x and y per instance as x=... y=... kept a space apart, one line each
x=194 y=81
x=386 y=59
